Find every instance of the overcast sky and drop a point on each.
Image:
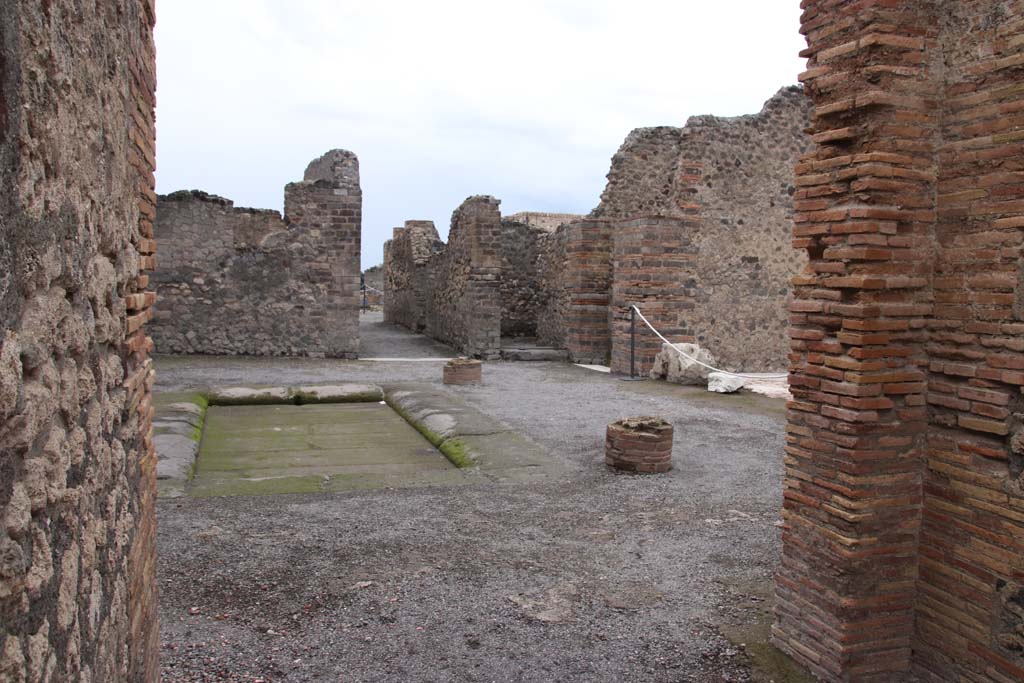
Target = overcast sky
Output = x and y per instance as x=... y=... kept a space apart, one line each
x=525 y=100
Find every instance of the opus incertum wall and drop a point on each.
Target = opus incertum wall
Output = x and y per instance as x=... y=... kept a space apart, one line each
x=77 y=465
x=449 y=292
x=247 y=281
x=903 y=544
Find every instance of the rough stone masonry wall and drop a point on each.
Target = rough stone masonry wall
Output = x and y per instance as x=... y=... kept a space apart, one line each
x=548 y=222
x=77 y=465
x=407 y=281
x=524 y=249
x=904 y=509
x=450 y=293
x=244 y=281
x=740 y=173
x=731 y=180
x=464 y=303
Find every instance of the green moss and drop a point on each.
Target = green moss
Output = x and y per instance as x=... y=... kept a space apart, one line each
x=457 y=453
x=428 y=434
x=453 y=449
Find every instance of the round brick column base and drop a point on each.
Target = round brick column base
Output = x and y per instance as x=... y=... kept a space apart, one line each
x=639 y=444
x=463 y=371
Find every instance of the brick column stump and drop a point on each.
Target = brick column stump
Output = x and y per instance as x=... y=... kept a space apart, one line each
x=463 y=371
x=639 y=444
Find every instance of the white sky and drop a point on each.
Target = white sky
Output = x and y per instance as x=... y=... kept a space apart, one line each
x=525 y=100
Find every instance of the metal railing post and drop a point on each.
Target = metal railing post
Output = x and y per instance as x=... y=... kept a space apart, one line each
x=632 y=341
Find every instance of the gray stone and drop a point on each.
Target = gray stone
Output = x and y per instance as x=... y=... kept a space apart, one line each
x=721 y=383
x=671 y=366
x=175 y=456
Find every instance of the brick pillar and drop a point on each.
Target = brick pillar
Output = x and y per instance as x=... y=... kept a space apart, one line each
x=329 y=203
x=588 y=281
x=845 y=590
x=653 y=261
x=480 y=308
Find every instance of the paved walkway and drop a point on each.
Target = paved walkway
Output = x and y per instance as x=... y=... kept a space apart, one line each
x=378 y=339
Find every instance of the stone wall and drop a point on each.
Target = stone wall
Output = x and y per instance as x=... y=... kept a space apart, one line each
x=548 y=222
x=904 y=506
x=246 y=281
x=77 y=465
x=653 y=264
x=373 y=279
x=407 y=280
x=719 y=191
x=732 y=180
x=449 y=292
x=523 y=295
x=577 y=274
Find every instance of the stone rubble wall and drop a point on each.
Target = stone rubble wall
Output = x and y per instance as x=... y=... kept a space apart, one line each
x=719 y=191
x=77 y=464
x=903 y=500
x=739 y=172
x=373 y=278
x=407 y=282
x=732 y=178
x=245 y=281
x=523 y=295
x=464 y=305
x=449 y=292
x=548 y=222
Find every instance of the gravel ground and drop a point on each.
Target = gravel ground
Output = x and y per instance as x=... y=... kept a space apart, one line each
x=593 y=576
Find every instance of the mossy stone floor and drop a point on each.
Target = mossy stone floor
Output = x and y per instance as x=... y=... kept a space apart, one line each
x=254 y=450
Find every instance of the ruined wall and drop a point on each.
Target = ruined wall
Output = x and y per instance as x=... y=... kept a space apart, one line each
x=77 y=465
x=373 y=278
x=576 y=273
x=464 y=304
x=449 y=292
x=407 y=282
x=548 y=222
x=903 y=498
x=653 y=264
x=246 y=281
x=523 y=295
x=740 y=172
x=732 y=178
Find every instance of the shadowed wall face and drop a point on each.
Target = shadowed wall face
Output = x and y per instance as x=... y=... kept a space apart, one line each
x=245 y=281
x=77 y=466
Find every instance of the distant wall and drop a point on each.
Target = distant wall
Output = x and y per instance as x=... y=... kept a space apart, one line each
x=576 y=273
x=407 y=275
x=449 y=292
x=548 y=222
x=693 y=227
x=78 y=592
x=246 y=281
x=732 y=180
x=523 y=294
